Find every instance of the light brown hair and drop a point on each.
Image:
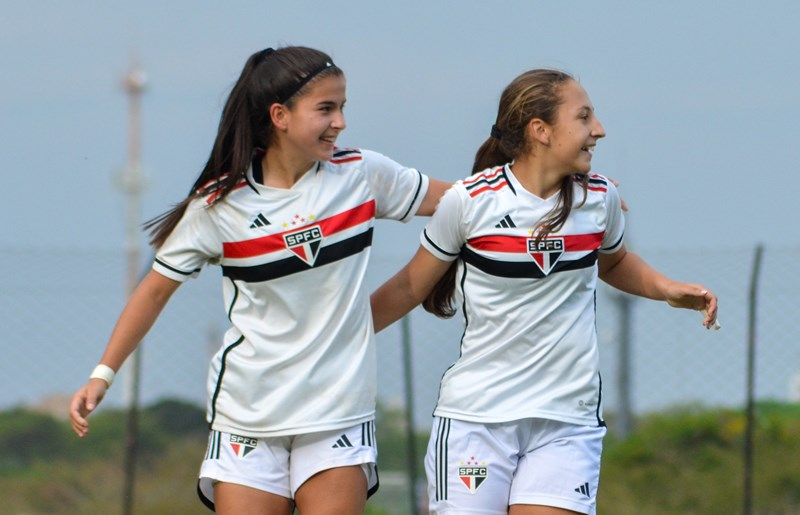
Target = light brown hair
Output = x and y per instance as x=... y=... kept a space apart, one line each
x=533 y=94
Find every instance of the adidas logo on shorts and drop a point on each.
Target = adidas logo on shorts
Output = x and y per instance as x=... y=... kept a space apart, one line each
x=342 y=442
x=584 y=489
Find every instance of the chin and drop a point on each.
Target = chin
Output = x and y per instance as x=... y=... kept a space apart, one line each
x=325 y=156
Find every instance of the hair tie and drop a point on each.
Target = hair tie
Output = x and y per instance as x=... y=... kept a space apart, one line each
x=496 y=132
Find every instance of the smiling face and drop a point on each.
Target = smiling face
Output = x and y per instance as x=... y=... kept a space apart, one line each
x=575 y=131
x=314 y=120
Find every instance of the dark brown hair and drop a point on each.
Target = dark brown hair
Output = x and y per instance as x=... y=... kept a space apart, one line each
x=534 y=94
x=268 y=77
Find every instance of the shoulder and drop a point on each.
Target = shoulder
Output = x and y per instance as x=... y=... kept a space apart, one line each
x=599 y=183
x=210 y=191
x=597 y=186
x=342 y=156
x=361 y=158
x=600 y=194
x=486 y=183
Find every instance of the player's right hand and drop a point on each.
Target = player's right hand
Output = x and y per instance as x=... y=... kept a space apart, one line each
x=83 y=403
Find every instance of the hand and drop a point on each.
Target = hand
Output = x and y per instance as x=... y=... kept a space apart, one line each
x=694 y=296
x=84 y=402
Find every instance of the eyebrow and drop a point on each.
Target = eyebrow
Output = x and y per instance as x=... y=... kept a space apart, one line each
x=330 y=102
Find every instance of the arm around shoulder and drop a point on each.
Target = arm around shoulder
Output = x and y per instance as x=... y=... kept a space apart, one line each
x=436 y=189
x=406 y=289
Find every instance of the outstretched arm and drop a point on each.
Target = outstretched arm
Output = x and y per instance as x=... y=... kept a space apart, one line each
x=139 y=315
x=436 y=189
x=408 y=288
x=628 y=272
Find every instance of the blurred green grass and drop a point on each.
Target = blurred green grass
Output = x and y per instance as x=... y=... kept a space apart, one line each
x=686 y=460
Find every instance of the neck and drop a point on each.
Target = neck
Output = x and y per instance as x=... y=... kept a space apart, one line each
x=536 y=177
x=281 y=170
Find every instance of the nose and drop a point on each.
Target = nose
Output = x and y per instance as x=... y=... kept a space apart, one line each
x=338 y=121
x=598 y=131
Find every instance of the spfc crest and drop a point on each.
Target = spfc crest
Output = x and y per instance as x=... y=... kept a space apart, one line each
x=243 y=445
x=473 y=474
x=305 y=243
x=547 y=253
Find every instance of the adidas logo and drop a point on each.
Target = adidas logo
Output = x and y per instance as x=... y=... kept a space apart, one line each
x=506 y=222
x=342 y=442
x=259 y=221
x=584 y=489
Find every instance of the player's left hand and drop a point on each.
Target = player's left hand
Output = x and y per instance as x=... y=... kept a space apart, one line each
x=697 y=297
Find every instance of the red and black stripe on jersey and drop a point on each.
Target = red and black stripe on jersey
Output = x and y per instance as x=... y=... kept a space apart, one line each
x=266 y=245
x=573 y=243
x=492 y=180
x=595 y=183
x=345 y=155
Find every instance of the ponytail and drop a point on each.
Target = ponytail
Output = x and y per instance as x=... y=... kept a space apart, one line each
x=268 y=77
x=534 y=94
x=440 y=301
x=490 y=154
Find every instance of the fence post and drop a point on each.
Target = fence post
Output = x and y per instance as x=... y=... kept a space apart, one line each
x=132 y=184
x=747 y=508
x=411 y=439
x=625 y=415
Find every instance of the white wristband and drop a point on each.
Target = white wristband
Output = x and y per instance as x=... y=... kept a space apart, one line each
x=103 y=372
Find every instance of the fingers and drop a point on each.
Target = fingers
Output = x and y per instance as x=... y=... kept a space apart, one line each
x=710 y=319
x=696 y=297
x=83 y=403
x=78 y=412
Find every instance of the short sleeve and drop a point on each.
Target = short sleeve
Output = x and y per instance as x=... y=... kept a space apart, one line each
x=445 y=233
x=194 y=241
x=615 y=221
x=398 y=190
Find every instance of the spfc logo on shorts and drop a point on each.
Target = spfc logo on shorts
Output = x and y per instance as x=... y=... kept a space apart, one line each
x=473 y=474
x=547 y=253
x=242 y=445
x=305 y=243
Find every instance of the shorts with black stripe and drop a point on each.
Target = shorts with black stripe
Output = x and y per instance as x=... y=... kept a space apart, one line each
x=485 y=468
x=281 y=464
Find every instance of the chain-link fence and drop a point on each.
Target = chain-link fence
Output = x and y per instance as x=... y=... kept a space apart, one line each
x=59 y=306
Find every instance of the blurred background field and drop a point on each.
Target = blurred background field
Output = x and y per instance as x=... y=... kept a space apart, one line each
x=683 y=461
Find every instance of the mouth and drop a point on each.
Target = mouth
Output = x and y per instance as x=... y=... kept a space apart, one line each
x=588 y=148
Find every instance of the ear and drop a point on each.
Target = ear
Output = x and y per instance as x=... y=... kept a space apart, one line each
x=539 y=131
x=279 y=116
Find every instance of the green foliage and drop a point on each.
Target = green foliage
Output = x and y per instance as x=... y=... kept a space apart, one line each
x=690 y=461
x=26 y=437
x=393 y=442
x=683 y=461
x=177 y=418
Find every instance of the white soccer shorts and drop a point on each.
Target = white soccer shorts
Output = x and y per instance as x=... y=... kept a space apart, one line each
x=265 y=464
x=485 y=468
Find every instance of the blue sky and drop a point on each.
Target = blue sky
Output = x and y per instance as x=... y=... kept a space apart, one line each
x=700 y=103
x=699 y=100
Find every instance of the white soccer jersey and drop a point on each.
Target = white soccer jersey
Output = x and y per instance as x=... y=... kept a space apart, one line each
x=299 y=356
x=529 y=347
